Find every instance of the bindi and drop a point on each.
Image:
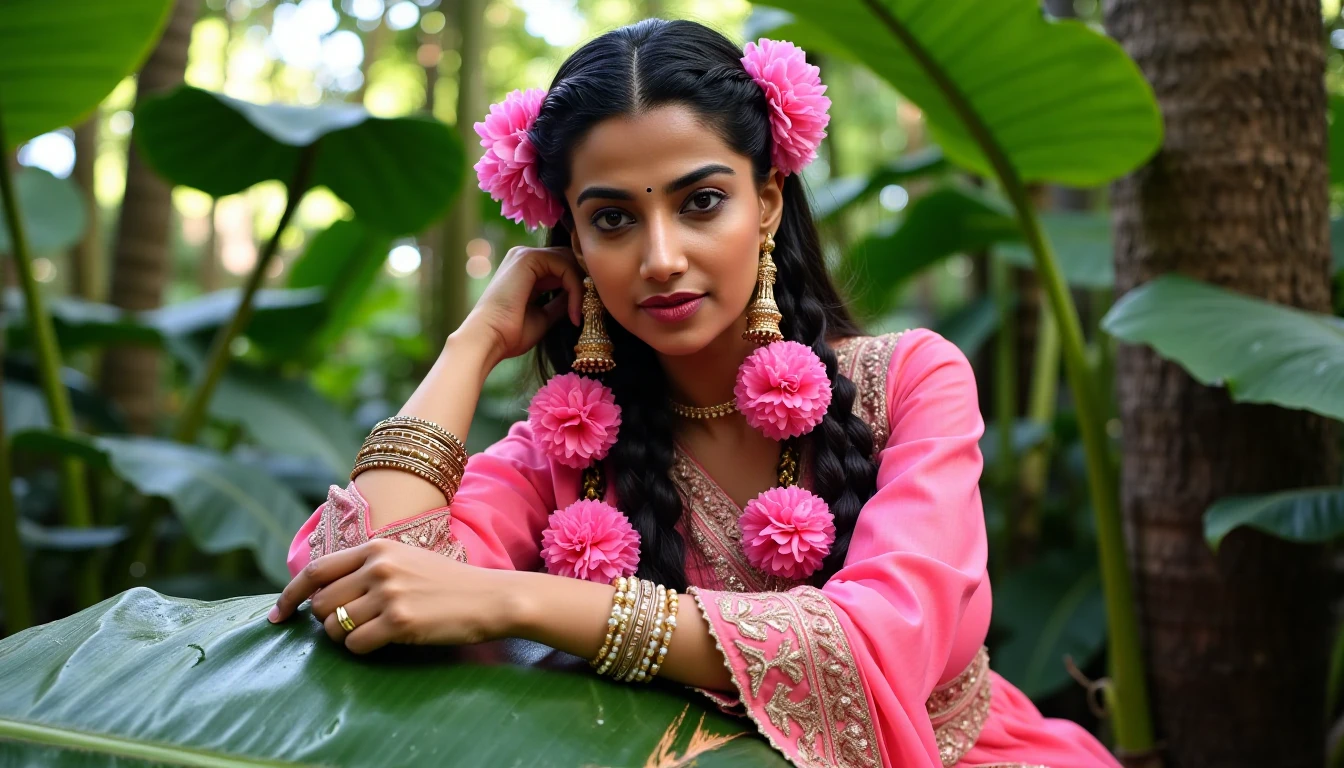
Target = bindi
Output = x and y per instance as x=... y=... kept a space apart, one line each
x=649 y=189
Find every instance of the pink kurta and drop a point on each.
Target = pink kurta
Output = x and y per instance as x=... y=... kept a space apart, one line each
x=884 y=664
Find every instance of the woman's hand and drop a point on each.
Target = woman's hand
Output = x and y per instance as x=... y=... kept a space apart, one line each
x=396 y=593
x=507 y=312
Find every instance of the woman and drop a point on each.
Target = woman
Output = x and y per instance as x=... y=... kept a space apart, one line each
x=816 y=495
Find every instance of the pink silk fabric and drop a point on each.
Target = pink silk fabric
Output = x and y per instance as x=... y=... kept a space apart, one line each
x=882 y=665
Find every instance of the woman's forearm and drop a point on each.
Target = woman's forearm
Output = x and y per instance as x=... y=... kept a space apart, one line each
x=571 y=615
x=447 y=396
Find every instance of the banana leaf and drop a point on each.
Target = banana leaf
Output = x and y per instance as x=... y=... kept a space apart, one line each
x=142 y=679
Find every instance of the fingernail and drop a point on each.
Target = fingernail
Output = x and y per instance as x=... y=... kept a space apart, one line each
x=274 y=615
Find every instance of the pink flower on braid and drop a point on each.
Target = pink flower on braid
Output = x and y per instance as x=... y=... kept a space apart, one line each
x=794 y=91
x=508 y=169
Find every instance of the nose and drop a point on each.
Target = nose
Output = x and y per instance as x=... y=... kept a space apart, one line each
x=663 y=259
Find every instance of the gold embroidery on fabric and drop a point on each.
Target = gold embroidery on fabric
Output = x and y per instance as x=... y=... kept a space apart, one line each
x=834 y=725
x=344 y=524
x=713 y=525
x=958 y=709
x=866 y=361
x=786 y=660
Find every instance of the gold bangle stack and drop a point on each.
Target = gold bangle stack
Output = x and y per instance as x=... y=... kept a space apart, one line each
x=419 y=447
x=639 y=631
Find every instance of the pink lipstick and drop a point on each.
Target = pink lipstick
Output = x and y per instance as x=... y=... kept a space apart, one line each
x=673 y=307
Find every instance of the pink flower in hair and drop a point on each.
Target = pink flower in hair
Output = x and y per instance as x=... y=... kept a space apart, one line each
x=783 y=390
x=575 y=419
x=793 y=88
x=787 y=532
x=590 y=540
x=508 y=169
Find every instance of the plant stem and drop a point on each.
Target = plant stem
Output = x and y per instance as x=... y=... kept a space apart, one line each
x=194 y=413
x=1131 y=713
x=1005 y=372
x=1041 y=412
x=74 y=491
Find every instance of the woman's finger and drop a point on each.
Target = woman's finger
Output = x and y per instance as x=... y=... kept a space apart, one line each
x=361 y=610
x=561 y=263
x=339 y=592
x=370 y=636
x=315 y=575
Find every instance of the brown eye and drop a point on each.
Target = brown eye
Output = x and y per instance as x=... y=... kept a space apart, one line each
x=704 y=201
x=609 y=220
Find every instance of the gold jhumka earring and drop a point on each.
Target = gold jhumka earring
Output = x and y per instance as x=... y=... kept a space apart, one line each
x=593 y=353
x=763 y=314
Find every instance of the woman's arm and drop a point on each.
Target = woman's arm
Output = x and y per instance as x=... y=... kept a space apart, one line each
x=571 y=615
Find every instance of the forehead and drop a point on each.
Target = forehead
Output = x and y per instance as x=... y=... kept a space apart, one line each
x=647 y=148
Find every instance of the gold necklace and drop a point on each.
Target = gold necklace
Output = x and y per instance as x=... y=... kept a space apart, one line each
x=704 y=412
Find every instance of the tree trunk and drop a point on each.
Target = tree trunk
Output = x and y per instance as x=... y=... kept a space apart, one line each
x=1237 y=643
x=86 y=257
x=463 y=222
x=141 y=258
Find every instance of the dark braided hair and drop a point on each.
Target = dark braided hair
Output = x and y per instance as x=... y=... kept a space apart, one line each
x=634 y=69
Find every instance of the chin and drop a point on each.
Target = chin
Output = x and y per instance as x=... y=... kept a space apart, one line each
x=681 y=339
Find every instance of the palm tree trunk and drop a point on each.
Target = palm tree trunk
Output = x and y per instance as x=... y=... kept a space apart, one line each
x=1237 y=643
x=141 y=263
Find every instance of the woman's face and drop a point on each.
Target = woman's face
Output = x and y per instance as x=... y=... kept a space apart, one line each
x=669 y=222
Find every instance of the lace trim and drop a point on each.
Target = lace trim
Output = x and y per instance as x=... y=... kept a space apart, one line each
x=958 y=709
x=345 y=523
x=713 y=526
x=866 y=360
x=830 y=725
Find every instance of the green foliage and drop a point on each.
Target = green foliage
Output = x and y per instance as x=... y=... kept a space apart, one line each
x=52 y=208
x=61 y=59
x=1305 y=515
x=1082 y=241
x=1262 y=352
x=223 y=505
x=1072 y=108
x=343 y=261
x=1051 y=610
x=398 y=174
x=188 y=683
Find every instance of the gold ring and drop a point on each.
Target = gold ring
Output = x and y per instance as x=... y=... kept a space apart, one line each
x=344 y=619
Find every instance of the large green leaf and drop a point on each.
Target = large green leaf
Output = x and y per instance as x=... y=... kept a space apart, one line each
x=1262 y=352
x=286 y=415
x=52 y=210
x=398 y=174
x=1305 y=515
x=1336 y=138
x=1061 y=101
x=946 y=221
x=223 y=505
x=1050 y=610
x=173 y=681
x=61 y=58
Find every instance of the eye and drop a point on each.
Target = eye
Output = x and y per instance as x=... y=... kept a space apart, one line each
x=704 y=201
x=609 y=219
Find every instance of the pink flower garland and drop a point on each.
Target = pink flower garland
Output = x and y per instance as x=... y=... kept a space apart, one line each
x=787 y=532
x=575 y=418
x=590 y=540
x=783 y=390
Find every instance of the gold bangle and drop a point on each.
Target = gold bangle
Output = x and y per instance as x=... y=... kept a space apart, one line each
x=430 y=454
x=614 y=621
x=639 y=627
x=429 y=426
x=393 y=461
x=622 y=627
x=668 y=626
x=655 y=615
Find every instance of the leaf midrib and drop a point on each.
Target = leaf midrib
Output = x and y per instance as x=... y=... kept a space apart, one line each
x=34 y=733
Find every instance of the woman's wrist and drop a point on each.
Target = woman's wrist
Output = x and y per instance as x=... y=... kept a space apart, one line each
x=468 y=350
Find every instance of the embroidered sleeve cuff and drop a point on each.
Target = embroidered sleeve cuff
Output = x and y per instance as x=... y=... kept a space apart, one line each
x=345 y=523
x=794 y=671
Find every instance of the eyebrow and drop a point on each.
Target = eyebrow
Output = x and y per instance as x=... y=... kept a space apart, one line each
x=611 y=193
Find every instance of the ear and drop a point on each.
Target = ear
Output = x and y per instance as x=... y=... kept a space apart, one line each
x=772 y=202
x=576 y=246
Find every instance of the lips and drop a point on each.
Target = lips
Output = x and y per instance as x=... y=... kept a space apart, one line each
x=671 y=299
x=673 y=307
